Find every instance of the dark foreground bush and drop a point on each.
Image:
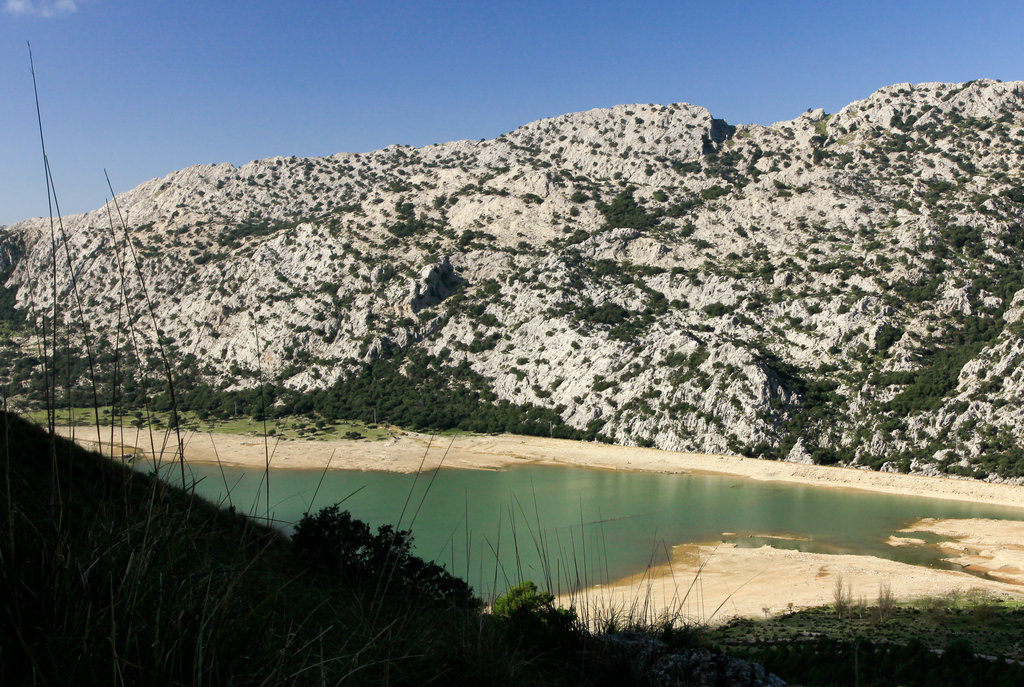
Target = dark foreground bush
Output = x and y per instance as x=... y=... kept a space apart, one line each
x=339 y=545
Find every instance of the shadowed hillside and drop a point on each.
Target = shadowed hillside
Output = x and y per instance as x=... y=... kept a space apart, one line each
x=111 y=577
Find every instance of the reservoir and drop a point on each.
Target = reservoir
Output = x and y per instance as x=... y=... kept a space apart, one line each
x=567 y=527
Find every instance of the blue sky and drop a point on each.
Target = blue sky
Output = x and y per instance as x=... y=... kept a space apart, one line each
x=144 y=87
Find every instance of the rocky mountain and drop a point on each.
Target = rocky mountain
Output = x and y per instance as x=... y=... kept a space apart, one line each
x=842 y=287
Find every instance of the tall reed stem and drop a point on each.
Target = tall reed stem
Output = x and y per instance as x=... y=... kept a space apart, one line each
x=156 y=331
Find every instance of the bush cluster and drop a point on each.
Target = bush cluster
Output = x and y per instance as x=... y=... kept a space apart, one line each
x=338 y=544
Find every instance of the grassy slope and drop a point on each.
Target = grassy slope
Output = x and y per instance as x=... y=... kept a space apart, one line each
x=961 y=639
x=290 y=427
x=110 y=577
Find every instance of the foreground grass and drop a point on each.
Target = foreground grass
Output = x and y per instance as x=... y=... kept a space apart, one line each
x=112 y=577
x=961 y=638
x=991 y=625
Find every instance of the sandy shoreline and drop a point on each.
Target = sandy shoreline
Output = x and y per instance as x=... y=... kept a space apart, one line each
x=735 y=581
x=407 y=451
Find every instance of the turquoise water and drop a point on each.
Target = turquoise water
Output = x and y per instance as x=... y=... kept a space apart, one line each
x=571 y=526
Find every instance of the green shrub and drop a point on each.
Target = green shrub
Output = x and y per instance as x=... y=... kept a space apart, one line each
x=625 y=211
x=717 y=309
x=408 y=224
x=528 y=609
x=713 y=192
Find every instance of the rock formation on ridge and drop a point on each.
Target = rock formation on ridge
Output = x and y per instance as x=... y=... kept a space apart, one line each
x=837 y=288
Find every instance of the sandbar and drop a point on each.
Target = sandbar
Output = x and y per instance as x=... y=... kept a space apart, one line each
x=765 y=581
x=993 y=547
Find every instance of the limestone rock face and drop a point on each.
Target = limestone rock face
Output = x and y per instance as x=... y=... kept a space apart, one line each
x=435 y=283
x=834 y=288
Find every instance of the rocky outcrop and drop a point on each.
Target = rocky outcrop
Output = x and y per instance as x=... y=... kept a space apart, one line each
x=834 y=288
x=11 y=250
x=435 y=283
